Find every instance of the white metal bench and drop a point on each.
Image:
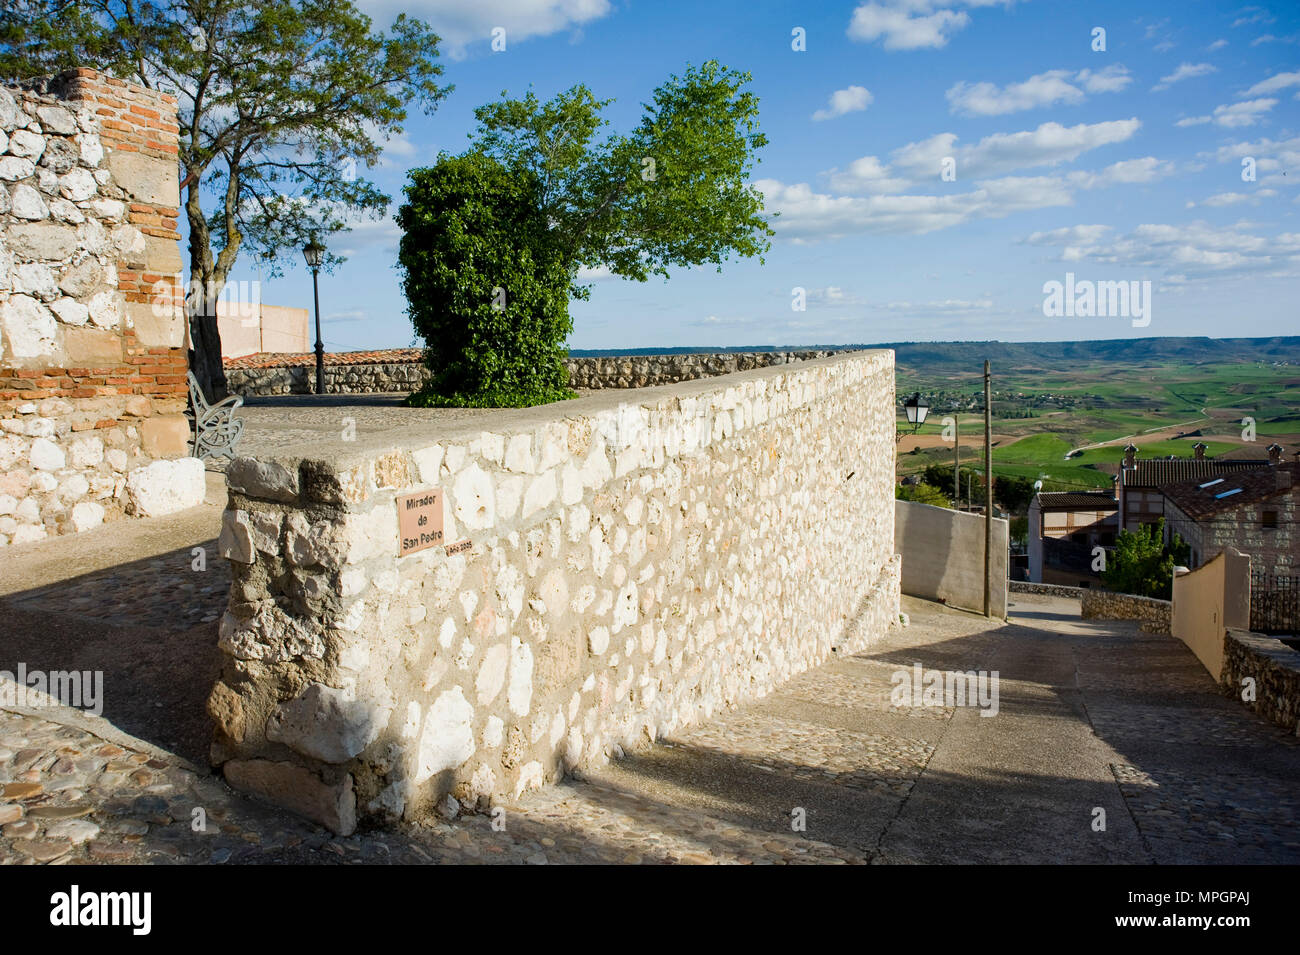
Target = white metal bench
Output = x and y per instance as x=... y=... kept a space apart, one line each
x=216 y=429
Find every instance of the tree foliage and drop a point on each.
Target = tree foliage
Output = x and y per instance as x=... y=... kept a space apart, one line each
x=282 y=105
x=1142 y=563
x=675 y=191
x=921 y=494
x=487 y=289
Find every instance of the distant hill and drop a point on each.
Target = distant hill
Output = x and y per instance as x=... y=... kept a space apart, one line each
x=962 y=356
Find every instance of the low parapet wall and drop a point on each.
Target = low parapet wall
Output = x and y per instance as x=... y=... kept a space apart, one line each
x=1264 y=673
x=609 y=569
x=1153 y=614
x=401 y=371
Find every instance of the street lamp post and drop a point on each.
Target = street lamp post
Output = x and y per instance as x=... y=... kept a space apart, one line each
x=916 y=408
x=314 y=253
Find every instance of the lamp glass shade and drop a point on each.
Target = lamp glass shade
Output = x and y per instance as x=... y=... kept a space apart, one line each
x=916 y=409
x=313 y=252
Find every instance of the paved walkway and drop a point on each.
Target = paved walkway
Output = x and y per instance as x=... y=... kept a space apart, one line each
x=1091 y=716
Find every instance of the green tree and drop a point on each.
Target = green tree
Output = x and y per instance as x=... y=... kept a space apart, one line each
x=921 y=494
x=282 y=103
x=940 y=476
x=675 y=191
x=486 y=287
x=1013 y=494
x=1142 y=563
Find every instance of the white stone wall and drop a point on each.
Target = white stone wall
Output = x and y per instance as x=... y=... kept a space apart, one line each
x=636 y=565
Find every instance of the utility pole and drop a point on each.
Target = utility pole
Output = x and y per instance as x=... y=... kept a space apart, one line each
x=988 y=490
x=956 y=463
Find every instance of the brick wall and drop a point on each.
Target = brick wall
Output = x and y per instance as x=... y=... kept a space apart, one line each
x=92 y=330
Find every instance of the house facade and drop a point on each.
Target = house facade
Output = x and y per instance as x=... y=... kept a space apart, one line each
x=1253 y=511
x=1064 y=527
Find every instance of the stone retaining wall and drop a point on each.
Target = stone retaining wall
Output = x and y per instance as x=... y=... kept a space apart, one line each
x=1102 y=604
x=1050 y=590
x=636 y=371
x=1273 y=666
x=92 y=357
x=626 y=565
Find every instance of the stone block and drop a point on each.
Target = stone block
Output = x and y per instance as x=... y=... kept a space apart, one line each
x=92 y=346
x=162 y=255
x=165 y=487
x=327 y=723
x=333 y=805
x=160 y=327
x=29 y=328
x=42 y=241
x=165 y=436
x=145 y=178
x=264 y=479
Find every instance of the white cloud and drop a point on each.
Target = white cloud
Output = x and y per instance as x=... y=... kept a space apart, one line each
x=867 y=175
x=1226 y=199
x=1044 y=89
x=920 y=164
x=1185 y=71
x=1124 y=172
x=1272 y=159
x=713 y=321
x=947 y=305
x=1110 y=80
x=1217 y=45
x=1048 y=144
x=1188 y=252
x=1255 y=15
x=465 y=23
x=849 y=100
x=1274 y=83
x=833 y=296
x=806 y=215
x=1246 y=113
x=912 y=24
x=988 y=99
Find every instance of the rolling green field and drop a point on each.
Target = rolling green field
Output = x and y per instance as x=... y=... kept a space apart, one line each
x=1043 y=413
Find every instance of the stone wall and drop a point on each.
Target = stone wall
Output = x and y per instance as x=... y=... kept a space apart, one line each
x=627 y=564
x=1273 y=666
x=92 y=365
x=1048 y=590
x=297 y=374
x=1103 y=605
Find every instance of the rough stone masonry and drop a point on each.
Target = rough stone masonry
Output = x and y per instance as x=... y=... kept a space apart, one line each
x=615 y=568
x=92 y=360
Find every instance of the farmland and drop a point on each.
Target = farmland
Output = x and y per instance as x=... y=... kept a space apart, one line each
x=1062 y=415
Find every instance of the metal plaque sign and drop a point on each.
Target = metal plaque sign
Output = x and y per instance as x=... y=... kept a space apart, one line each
x=419 y=520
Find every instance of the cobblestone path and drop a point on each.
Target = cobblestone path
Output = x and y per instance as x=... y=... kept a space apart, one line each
x=1092 y=716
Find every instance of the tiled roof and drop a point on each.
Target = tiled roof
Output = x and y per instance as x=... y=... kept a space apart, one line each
x=291 y=359
x=1203 y=499
x=1076 y=500
x=1157 y=472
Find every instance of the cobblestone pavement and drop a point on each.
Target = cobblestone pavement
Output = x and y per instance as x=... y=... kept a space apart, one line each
x=1091 y=715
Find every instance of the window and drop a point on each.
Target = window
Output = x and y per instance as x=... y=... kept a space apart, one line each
x=1270 y=520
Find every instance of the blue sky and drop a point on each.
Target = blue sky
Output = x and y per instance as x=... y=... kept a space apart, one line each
x=1122 y=164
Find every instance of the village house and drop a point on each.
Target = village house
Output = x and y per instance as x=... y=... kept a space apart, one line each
x=1139 y=486
x=1253 y=511
x=1064 y=527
